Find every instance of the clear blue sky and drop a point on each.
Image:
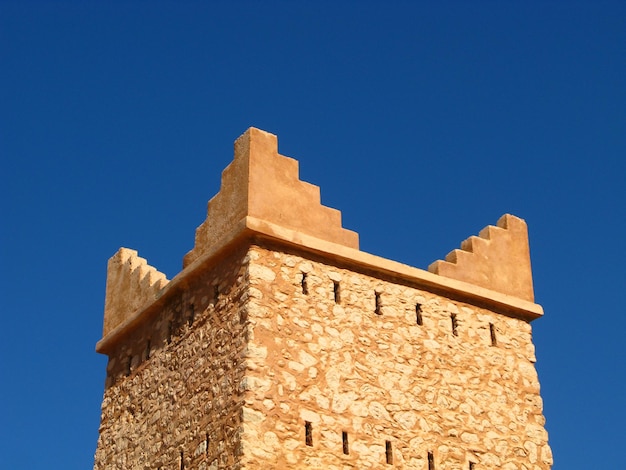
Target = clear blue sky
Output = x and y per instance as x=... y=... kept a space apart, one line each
x=421 y=121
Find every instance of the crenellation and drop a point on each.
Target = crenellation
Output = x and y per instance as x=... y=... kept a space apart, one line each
x=131 y=284
x=498 y=259
x=265 y=185
x=280 y=345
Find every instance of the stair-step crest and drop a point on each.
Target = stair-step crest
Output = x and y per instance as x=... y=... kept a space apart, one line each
x=131 y=284
x=262 y=184
x=497 y=259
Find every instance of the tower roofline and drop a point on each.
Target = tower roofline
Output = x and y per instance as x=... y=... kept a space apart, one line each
x=250 y=228
x=262 y=197
x=261 y=183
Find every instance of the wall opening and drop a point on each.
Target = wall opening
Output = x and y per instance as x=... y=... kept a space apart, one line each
x=206 y=443
x=192 y=314
x=431 y=461
x=181 y=460
x=418 y=314
x=346 y=445
x=388 y=453
x=378 y=309
x=455 y=330
x=129 y=364
x=472 y=466
x=148 y=346
x=304 y=283
x=216 y=293
x=169 y=332
x=308 y=433
x=492 y=332
x=337 y=292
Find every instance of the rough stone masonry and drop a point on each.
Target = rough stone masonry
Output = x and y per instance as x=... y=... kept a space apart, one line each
x=281 y=345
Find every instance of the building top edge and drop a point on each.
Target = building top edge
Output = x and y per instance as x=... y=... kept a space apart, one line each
x=249 y=228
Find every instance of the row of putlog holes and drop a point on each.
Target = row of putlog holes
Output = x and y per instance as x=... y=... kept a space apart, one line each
x=308 y=438
x=378 y=304
x=181 y=456
x=172 y=329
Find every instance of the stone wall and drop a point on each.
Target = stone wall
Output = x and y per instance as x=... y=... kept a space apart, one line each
x=173 y=397
x=276 y=359
x=259 y=356
x=372 y=373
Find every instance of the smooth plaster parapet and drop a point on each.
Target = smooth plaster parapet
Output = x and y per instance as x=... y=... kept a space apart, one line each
x=249 y=227
x=131 y=283
x=262 y=183
x=498 y=259
x=262 y=195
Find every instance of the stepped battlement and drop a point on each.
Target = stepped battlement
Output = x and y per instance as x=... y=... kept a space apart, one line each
x=264 y=185
x=262 y=195
x=282 y=345
x=131 y=284
x=498 y=259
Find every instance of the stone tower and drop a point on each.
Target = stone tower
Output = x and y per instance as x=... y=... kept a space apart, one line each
x=281 y=345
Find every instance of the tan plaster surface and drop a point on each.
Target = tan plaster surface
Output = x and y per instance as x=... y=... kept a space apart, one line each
x=262 y=195
x=251 y=227
x=263 y=184
x=131 y=284
x=498 y=259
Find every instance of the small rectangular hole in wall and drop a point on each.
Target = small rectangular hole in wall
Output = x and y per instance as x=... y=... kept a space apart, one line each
x=344 y=439
x=378 y=309
x=182 y=461
x=472 y=466
x=308 y=433
x=337 y=292
x=216 y=294
x=192 y=314
x=304 y=284
x=148 y=345
x=129 y=363
x=388 y=452
x=206 y=444
x=492 y=332
x=455 y=325
x=418 y=314
x=431 y=461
